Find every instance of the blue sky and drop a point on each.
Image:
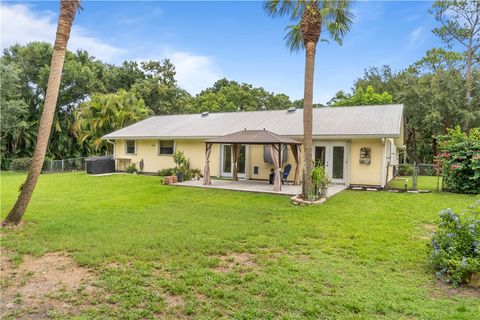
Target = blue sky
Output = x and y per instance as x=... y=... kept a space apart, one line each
x=236 y=40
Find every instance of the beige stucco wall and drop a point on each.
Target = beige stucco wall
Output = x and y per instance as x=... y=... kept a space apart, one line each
x=366 y=174
x=255 y=158
x=357 y=174
x=148 y=151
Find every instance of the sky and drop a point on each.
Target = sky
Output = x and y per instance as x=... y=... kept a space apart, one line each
x=208 y=41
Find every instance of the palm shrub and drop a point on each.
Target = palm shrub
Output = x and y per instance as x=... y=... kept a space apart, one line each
x=455 y=246
x=460 y=160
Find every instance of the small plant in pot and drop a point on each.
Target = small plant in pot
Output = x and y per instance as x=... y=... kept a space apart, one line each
x=320 y=181
x=182 y=166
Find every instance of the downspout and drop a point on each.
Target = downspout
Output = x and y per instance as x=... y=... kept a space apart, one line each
x=109 y=141
x=382 y=185
x=114 y=155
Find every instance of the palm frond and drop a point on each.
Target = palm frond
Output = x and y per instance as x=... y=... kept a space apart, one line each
x=293 y=38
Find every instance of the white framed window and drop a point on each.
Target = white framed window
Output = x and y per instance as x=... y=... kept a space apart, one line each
x=130 y=146
x=166 y=147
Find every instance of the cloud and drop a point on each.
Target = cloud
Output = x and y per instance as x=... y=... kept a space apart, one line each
x=194 y=72
x=20 y=24
x=417 y=37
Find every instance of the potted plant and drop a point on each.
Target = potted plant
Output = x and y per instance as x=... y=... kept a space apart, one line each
x=320 y=181
x=182 y=166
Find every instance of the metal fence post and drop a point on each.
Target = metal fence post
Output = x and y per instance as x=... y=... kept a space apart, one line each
x=63 y=164
x=414 y=176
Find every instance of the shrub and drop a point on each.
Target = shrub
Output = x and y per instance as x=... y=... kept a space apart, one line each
x=455 y=247
x=196 y=173
x=21 y=164
x=405 y=170
x=460 y=160
x=131 y=168
x=166 y=172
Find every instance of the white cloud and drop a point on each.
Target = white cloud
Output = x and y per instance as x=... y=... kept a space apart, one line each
x=417 y=37
x=194 y=72
x=20 y=24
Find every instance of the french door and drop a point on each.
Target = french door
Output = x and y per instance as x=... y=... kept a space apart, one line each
x=333 y=156
x=227 y=161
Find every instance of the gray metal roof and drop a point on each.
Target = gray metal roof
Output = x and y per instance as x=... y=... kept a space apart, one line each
x=253 y=137
x=357 y=121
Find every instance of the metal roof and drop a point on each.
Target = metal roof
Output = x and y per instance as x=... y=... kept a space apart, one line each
x=356 y=121
x=253 y=137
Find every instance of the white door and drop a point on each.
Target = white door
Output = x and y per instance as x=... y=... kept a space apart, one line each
x=332 y=155
x=227 y=161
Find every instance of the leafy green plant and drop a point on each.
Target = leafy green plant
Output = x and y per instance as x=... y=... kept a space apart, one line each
x=405 y=169
x=320 y=180
x=460 y=160
x=166 y=172
x=196 y=173
x=455 y=247
x=131 y=168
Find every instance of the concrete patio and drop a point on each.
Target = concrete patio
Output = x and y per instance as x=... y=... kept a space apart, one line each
x=255 y=186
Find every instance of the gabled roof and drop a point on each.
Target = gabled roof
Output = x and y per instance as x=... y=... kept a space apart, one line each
x=253 y=137
x=358 y=121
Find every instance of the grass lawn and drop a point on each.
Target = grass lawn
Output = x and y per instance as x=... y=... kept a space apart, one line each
x=423 y=183
x=177 y=252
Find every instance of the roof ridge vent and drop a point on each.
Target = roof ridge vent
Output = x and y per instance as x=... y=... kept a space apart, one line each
x=204 y=114
x=291 y=109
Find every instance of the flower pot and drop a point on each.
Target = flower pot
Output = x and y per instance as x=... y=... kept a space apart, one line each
x=179 y=176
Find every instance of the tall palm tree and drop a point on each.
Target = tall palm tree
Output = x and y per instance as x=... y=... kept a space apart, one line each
x=310 y=18
x=68 y=8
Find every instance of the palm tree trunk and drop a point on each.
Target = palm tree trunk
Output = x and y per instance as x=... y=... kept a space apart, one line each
x=68 y=9
x=310 y=48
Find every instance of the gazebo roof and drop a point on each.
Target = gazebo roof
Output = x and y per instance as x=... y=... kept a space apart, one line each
x=253 y=137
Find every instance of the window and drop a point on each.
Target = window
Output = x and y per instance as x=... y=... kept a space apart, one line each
x=131 y=147
x=166 y=147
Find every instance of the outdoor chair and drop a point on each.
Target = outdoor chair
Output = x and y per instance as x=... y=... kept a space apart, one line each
x=285 y=173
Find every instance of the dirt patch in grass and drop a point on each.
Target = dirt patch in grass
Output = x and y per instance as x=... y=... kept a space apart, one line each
x=41 y=287
x=427 y=231
x=233 y=260
x=445 y=290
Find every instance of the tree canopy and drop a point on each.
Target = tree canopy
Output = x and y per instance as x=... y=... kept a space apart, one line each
x=88 y=85
x=361 y=98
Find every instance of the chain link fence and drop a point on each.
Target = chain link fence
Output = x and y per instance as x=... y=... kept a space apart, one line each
x=49 y=165
x=415 y=177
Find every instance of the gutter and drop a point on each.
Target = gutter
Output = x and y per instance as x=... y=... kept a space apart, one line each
x=109 y=141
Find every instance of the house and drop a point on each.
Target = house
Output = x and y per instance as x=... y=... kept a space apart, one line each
x=356 y=144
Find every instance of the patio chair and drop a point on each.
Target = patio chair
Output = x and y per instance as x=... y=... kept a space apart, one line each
x=285 y=173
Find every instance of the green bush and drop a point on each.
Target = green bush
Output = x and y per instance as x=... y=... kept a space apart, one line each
x=460 y=160
x=405 y=169
x=131 y=168
x=320 y=180
x=455 y=247
x=167 y=172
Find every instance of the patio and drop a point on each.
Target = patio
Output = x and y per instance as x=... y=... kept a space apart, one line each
x=254 y=186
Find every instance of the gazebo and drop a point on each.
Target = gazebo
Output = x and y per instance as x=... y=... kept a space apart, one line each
x=258 y=137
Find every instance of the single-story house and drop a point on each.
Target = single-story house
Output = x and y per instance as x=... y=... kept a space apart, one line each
x=355 y=144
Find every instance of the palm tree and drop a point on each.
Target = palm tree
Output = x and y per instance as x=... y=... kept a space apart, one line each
x=309 y=18
x=68 y=8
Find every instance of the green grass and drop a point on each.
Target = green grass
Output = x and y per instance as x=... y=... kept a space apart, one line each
x=360 y=255
x=423 y=183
